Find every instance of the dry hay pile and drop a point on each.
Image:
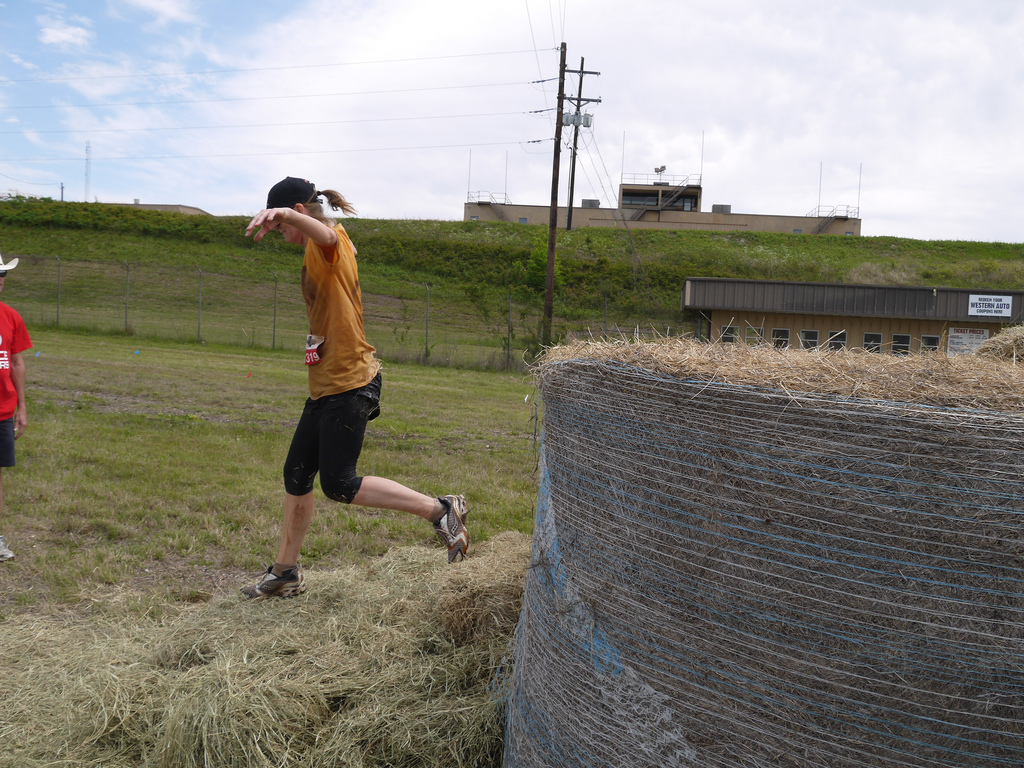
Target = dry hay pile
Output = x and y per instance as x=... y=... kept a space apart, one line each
x=386 y=665
x=1008 y=344
x=753 y=557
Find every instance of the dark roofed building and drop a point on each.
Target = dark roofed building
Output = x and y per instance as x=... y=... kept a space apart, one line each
x=876 y=318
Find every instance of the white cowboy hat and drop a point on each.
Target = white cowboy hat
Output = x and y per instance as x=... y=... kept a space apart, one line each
x=7 y=267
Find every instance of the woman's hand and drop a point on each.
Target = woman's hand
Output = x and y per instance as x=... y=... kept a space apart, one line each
x=294 y=223
x=267 y=220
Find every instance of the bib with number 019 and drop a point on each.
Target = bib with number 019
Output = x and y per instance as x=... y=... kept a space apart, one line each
x=313 y=344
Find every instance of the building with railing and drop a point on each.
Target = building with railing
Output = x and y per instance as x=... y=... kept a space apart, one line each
x=658 y=201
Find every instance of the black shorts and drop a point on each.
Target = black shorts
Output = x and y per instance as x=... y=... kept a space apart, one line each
x=7 y=442
x=328 y=440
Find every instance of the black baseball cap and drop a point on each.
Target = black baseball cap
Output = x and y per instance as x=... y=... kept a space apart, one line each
x=290 y=192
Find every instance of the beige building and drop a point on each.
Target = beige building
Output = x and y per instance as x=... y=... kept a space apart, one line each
x=663 y=202
x=191 y=210
x=876 y=318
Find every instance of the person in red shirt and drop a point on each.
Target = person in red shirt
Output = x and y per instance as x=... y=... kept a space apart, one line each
x=344 y=389
x=13 y=416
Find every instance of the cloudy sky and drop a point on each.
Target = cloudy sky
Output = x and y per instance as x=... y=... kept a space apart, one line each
x=911 y=110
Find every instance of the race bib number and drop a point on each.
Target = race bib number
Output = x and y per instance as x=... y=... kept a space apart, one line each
x=313 y=344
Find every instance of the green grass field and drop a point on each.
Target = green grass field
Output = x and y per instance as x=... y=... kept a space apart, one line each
x=150 y=472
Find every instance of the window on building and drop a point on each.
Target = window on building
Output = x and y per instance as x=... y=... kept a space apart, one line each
x=798 y=231
x=836 y=340
x=474 y=218
x=780 y=337
x=808 y=339
x=901 y=343
x=523 y=220
x=930 y=343
x=730 y=333
x=685 y=203
x=754 y=336
x=872 y=342
x=639 y=199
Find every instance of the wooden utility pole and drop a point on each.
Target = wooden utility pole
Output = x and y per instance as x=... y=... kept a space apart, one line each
x=578 y=119
x=549 y=286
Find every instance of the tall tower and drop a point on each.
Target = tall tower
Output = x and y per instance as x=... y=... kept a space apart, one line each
x=88 y=167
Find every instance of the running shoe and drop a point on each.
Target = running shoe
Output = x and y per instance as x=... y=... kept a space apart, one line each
x=288 y=584
x=451 y=527
x=5 y=552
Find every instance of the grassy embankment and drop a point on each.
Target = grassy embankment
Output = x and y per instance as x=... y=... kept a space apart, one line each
x=605 y=278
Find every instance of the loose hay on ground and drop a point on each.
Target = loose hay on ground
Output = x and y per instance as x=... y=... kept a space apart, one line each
x=387 y=664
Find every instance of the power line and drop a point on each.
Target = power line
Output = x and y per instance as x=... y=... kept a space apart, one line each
x=533 y=36
x=305 y=123
x=260 y=69
x=262 y=98
x=279 y=152
x=33 y=183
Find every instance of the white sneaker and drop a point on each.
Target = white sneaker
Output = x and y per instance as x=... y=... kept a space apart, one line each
x=451 y=527
x=289 y=584
x=5 y=552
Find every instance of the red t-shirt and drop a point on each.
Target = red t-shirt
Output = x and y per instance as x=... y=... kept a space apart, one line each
x=13 y=339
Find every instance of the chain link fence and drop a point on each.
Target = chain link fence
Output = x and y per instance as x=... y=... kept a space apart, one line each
x=409 y=321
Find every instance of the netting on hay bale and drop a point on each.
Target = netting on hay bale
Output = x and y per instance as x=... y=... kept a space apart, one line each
x=753 y=557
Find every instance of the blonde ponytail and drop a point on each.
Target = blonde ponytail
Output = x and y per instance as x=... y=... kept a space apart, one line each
x=335 y=200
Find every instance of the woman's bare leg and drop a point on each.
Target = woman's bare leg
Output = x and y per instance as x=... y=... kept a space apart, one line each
x=381 y=493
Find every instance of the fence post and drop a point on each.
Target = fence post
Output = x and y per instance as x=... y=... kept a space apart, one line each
x=273 y=333
x=199 y=331
x=508 y=347
x=426 y=343
x=126 y=284
x=58 y=291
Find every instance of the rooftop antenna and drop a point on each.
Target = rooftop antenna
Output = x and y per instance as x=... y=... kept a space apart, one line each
x=821 y=166
x=860 y=174
x=622 y=161
x=702 y=157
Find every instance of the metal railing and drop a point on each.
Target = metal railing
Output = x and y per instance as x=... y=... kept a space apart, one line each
x=835 y=212
x=662 y=179
x=482 y=196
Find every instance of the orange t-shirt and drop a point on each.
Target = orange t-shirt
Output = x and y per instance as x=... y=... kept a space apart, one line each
x=334 y=305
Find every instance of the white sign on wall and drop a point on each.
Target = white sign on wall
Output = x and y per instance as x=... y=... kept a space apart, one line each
x=964 y=341
x=990 y=306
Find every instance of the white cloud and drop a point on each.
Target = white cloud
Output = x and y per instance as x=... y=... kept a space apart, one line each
x=20 y=61
x=166 y=11
x=57 y=32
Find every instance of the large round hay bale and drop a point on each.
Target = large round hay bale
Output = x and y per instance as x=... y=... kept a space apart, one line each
x=755 y=557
